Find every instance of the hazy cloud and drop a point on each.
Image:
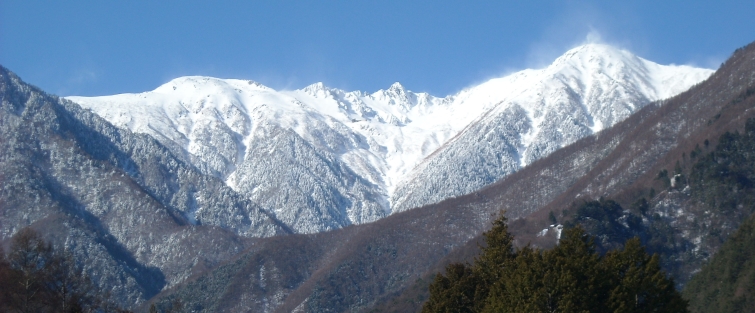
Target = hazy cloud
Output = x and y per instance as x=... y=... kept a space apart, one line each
x=582 y=23
x=82 y=76
x=78 y=80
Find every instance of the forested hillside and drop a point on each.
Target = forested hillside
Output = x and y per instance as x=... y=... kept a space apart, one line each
x=631 y=180
x=727 y=282
x=676 y=174
x=571 y=277
x=725 y=180
x=387 y=265
x=38 y=278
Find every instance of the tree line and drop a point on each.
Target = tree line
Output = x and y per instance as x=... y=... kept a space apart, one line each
x=572 y=277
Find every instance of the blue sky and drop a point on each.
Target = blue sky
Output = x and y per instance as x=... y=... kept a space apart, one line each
x=106 y=47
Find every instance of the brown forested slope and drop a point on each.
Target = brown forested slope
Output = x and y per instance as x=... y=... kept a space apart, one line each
x=361 y=266
x=641 y=146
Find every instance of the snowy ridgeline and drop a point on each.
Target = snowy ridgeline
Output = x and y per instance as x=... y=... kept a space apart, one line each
x=321 y=158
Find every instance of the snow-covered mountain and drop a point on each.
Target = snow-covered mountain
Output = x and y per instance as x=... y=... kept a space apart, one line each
x=321 y=158
x=529 y=114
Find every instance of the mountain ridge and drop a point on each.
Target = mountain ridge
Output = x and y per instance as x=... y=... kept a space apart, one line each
x=393 y=149
x=97 y=211
x=117 y=201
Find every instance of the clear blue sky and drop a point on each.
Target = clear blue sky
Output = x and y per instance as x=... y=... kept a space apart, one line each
x=104 y=47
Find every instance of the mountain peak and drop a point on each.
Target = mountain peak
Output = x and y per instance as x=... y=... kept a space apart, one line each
x=595 y=53
x=397 y=87
x=594 y=49
x=317 y=85
x=317 y=89
x=185 y=83
x=393 y=138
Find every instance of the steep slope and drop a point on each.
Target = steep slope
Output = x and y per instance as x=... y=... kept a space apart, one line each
x=625 y=163
x=120 y=202
x=322 y=158
x=725 y=284
x=584 y=91
x=657 y=161
x=361 y=266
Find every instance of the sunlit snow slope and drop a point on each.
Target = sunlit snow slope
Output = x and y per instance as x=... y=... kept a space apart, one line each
x=321 y=158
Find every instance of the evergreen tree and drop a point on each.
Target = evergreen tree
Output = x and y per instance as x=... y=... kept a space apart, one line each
x=637 y=282
x=574 y=281
x=465 y=288
x=454 y=292
x=522 y=288
x=563 y=279
x=572 y=277
x=499 y=248
x=490 y=267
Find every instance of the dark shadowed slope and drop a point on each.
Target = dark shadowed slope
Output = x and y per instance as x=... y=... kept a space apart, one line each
x=727 y=283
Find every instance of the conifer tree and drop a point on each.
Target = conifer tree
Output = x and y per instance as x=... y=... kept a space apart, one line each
x=521 y=288
x=638 y=284
x=491 y=265
x=572 y=277
x=574 y=281
x=563 y=279
x=453 y=292
x=465 y=288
